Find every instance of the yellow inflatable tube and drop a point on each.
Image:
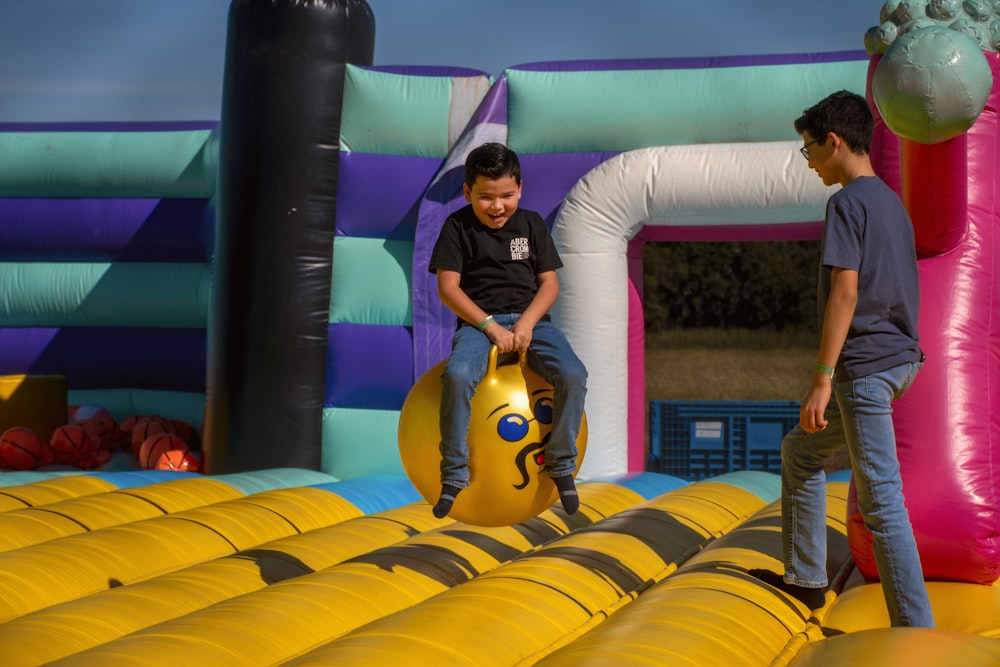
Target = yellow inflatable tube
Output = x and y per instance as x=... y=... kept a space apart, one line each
x=239 y=570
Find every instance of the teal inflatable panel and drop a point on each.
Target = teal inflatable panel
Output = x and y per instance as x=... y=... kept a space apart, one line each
x=181 y=164
x=259 y=481
x=584 y=111
x=122 y=294
x=124 y=402
x=361 y=443
x=371 y=281
x=765 y=485
x=396 y=114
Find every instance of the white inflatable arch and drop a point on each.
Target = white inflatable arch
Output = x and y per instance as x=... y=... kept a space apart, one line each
x=720 y=192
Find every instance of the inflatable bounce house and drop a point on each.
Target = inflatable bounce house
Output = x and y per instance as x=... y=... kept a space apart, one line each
x=263 y=278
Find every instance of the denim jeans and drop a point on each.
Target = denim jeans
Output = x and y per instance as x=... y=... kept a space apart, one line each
x=549 y=355
x=861 y=415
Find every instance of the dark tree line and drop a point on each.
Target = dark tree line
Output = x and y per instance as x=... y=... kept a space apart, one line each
x=758 y=285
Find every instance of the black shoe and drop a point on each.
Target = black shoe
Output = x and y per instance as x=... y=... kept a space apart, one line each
x=568 y=496
x=445 y=500
x=813 y=598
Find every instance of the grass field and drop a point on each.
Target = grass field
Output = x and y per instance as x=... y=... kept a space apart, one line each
x=729 y=365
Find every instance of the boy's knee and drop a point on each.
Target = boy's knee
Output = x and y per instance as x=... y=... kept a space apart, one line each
x=791 y=444
x=575 y=374
x=457 y=375
x=570 y=370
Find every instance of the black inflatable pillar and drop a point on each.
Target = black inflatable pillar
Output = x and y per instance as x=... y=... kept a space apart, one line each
x=278 y=150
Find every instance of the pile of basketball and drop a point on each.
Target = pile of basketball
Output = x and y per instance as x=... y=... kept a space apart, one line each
x=91 y=437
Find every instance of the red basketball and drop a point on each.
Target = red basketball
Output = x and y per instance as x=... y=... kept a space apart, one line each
x=102 y=427
x=146 y=427
x=119 y=440
x=21 y=449
x=72 y=443
x=93 y=459
x=128 y=423
x=156 y=446
x=178 y=459
x=186 y=432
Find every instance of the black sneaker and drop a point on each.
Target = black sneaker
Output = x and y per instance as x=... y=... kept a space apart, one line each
x=813 y=598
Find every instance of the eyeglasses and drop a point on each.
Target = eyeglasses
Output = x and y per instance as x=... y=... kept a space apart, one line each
x=805 y=149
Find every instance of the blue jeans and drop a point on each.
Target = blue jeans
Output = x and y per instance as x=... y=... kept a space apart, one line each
x=861 y=415
x=549 y=355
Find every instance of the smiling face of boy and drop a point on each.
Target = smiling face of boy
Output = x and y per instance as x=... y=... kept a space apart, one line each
x=493 y=200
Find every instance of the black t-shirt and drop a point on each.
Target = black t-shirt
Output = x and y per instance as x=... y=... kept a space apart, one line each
x=498 y=267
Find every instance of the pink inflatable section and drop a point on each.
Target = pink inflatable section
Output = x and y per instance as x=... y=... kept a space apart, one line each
x=948 y=424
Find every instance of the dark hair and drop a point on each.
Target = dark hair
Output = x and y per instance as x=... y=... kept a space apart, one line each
x=844 y=113
x=492 y=161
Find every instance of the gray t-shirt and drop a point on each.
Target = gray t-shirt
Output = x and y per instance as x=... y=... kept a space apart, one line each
x=868 y=230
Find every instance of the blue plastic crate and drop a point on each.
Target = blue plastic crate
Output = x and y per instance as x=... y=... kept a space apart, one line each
x=699 y=439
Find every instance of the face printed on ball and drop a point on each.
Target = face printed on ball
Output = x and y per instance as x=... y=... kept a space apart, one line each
x=514 y=427
x=509 y=427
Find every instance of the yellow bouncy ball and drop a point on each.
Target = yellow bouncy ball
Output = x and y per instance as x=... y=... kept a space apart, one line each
x=511 y=422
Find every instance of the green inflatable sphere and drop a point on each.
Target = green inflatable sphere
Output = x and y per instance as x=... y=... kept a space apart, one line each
x=931 y=84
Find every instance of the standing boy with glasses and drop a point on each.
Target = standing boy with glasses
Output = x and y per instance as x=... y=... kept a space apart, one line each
x=869 y=355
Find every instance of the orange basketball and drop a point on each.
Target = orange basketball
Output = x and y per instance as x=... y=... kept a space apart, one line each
x=186 y=432
x=21 y=449
x=119 y=439
x=156 y=446
x=178 y=459
x=93 y=459
x=128 y=423
x=102 y=427
x=72 y=443
x=146 y=427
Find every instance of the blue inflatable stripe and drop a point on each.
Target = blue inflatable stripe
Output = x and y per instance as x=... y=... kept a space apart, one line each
x=368 y=366
x=112 y=126
x=105 y=230
x=376 y=493
x=100 y=357
x=649 y=485
x=363 y=209
x=135 y=478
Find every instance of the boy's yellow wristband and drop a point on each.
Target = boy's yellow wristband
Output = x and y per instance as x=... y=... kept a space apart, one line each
x=825 y=370
x=482 y=326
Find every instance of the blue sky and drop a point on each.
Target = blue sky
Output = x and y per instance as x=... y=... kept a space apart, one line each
x=120 y=60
